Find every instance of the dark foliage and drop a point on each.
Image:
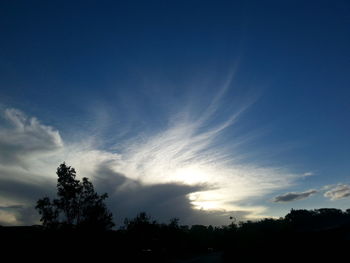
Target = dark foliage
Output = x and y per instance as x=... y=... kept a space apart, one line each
x=302 y=235
x=78 y=205
x=69 y=221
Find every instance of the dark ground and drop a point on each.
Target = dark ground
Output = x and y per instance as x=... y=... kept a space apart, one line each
x=302 y=236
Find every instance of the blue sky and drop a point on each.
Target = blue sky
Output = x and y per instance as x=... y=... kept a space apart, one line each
x=215 y=107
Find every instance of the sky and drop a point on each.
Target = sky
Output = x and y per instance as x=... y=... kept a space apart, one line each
x=201 y=110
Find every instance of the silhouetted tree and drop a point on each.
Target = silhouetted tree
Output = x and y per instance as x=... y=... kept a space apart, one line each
x=77 y=205
x=49 y=213
x=174 y=223
x=140 y=223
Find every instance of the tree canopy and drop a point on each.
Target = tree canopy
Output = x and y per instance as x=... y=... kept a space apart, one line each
x=77 y=205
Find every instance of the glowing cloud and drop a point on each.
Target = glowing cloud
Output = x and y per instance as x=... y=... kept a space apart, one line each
x=188 y=153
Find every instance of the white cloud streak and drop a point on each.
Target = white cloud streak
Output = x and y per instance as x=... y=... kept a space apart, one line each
x=338 y=192
x=185 y=153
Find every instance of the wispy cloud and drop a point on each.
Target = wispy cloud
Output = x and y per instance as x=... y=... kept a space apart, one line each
x=187 y=164
x=294 y=196
x=307 y=174
x=338 y=192
x=189 y=151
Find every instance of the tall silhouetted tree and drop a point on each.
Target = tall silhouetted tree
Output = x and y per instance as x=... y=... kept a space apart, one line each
x=77 y=205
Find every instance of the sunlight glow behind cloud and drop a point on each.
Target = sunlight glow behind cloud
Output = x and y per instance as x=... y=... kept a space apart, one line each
x=186 y=152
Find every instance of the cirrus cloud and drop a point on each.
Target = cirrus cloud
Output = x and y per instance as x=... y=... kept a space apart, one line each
x=181 y=169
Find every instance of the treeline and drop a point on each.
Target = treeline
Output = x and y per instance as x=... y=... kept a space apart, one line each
x=77 y=226
x=301 y=234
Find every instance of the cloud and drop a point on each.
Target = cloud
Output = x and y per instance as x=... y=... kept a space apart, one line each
x=307 y=174
x=24 y=191
x=185 y=169
x=26 y=147
x=187 y=152
x=164 y=201
x=18 y=215
x=10 y=207
x=23 y=138
x=338 y=192
x=19 y=191
x=293 y=196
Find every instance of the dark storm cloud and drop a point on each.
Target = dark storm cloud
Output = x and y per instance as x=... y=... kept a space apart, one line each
x=22 y=195
x=24 y=191
x=23 y=215
x=128 y=197
x=10 y=207
x=26 y=195
x=293 y=196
